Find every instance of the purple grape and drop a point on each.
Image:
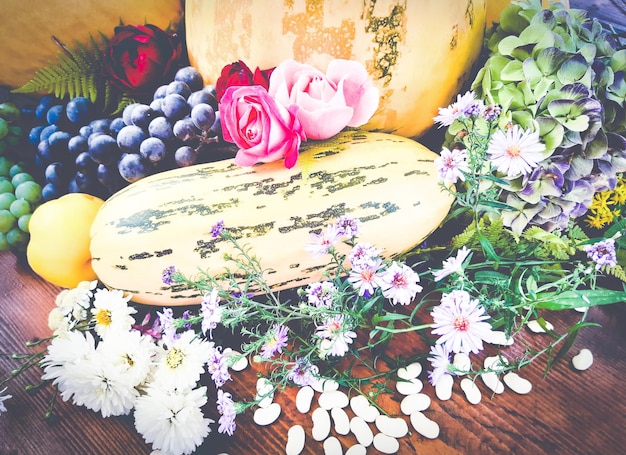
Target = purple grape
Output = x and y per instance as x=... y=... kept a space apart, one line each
x=155 y=105
x=186 y=156
x=126 y=113
x=190 y=76
x=130 y=138
x=153 y=149
x=53 y=116
x=58 y=174
x=203 y=116
x=178 y=87
x=84 y=163
x=77 y=145
x=133 y=167
x=85 y=131
x=141 y=115
x=185 y=130
x=160 y=127
x=45 y=103
x=104 y=149
x=175 y=107
x=202 y=96
x=116 y=125
x=109 y=176
x=160 y=92
x=78 y=110
x=50 y=192
x=47 y=131
x=100 y=125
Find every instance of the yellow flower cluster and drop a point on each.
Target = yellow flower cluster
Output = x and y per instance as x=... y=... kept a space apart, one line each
x=607 y=205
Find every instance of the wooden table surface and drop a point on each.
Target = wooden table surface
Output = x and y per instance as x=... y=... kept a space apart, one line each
x=567 y=412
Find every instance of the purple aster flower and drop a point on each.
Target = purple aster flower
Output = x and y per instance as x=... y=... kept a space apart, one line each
x=166 y=320
x=217 y=229
x=459 y=321
x=465 y=105
x=167 y=276
x=226 y=408
x=348 y=226
x=211 y=312
x=323 y=241
x=275 y=342
x=452 y=265
x=400 y=284
x=451 y=165
x=145 y=328
x=602 y=253
x=217 y=366
x=321 y=294
x=366 y=278
x=491 y=112
x=303 y=373
x=336 y=336
x=440 y=361
x=363 y=255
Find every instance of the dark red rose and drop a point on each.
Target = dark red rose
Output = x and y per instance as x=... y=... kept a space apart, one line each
x=139 y=58
x=238 y=74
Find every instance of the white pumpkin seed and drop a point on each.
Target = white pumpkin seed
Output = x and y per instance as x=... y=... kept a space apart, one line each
x=296 y=439
x=516 y=383
x=324 y=385
x=443 y=388
x=268 y=415
x=332 y=446
x=386 y=444
x=499 y=337
x=461 y=362
x=410 y=371
x=471 y=390
x=357 y=449
x=304 y=398
x=362 y=408
x=492 y=381
x=425 y=426
x=333 y=399
x=409 y=387
x=396 y=427
x=362 y=431
x=341 y=419
x=264 y=392
x=583 y=360
x=413 y=403
x=321 y=424
x=534 y=326
x=240 y=362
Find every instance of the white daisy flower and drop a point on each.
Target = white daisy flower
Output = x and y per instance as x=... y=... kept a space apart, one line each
x=516 y=152
x=111 y=312
x=172 y=420
x=182 y=363
x=133 y=352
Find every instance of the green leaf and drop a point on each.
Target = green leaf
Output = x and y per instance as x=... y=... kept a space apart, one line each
x=618 y=61
x=549 y=60
x=509 y=44
x=513 y=71
x=574 y=69
x=578 y=299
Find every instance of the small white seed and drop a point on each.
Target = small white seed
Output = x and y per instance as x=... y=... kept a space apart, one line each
x=332 y=446
x=516 y=383
x=341 y=419
x=357 y=449
x=321 y=424
x=409 y=387
x=240 y=361
x=534 y=326
x=362 y=431
x=496 y=363
x=268 y=415
x=264 y=392
x=304 y=398
x=362 y=408
x=425 y=426
x=499 y=337
x=333 y=399
x=461 y=362
x=324 y=385
x=471 y=391
x=396 y=427
x=443 y=389
x=413 y=403
x=492 y=381
x=583 y=360
x=296 y=439
x=410 y=371
x=386 y=444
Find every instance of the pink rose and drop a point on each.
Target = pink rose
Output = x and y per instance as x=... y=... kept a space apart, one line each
x=327 y=103
x=263 y=130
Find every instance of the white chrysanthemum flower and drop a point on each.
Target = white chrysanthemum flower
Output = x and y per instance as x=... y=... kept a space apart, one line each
x=133 y=352
x=460 y=322
x=111 y=312
x=516 y=152
x=71 y=307
x=172 y=421
x=400 y=284
x=183 y=362
x=451 y=165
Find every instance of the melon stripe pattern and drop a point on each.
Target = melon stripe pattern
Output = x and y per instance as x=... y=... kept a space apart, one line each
x=388 y=182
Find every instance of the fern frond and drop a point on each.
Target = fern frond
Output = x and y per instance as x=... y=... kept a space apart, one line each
x=616 y=271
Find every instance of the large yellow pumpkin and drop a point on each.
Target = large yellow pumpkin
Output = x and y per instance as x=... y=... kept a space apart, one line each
x=419 y=53
x=27 y=28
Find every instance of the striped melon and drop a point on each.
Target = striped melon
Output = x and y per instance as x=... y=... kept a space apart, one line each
x=418 y=52
x=388 y=182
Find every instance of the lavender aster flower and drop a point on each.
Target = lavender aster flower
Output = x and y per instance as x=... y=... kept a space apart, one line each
x=167 y=276
x=303 y=372
x=336 y=336
x=211 y=312
x=275 y=342
x=451 y=165
x=348 y=226
x=366 y=278
x=440 y=361
x=217 y=366
x=465 y=105
x=321 y=294
x=363 y=254
x=400 y=284
x=166 y=321
x=602 y=253
x=217 y=229
x=452 y=265
x=226 y=408
x=323 y=241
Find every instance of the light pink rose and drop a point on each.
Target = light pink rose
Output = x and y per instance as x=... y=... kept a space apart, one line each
x=263 y=130
x=327 y=103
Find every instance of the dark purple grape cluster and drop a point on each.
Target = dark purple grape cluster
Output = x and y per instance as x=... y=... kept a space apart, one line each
x=78 y=152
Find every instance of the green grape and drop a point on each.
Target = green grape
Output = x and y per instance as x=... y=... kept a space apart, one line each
x=15 y=130
x=19 y=207
x=7 y=221
x=4 y=128
x=6 y=199
x=17 y=238
x=4 y=245
x=23 y=221
x=5 y=185
x=5 y=165
x=20 y=177
x=31 y=191
x=17 y=168
x=9 y=111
